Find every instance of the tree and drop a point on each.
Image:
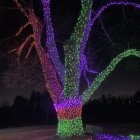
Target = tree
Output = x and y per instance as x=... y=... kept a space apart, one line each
x=19 y=111
x=62 y=81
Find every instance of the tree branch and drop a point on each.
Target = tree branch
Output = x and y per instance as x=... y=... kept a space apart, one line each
x=22 y=28
x=51 y=77
x=21 y=47
x=7 y=38
x=12 y=8
x=29 y=50
x=103 y=75
x=106 y=33
x=98 y=14
x=50 y=41
x=22 y=9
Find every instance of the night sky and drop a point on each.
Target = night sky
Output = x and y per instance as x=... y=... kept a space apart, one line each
x=121 y=25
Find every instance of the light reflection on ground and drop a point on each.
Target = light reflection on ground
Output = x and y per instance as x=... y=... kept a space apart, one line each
x=115 y=137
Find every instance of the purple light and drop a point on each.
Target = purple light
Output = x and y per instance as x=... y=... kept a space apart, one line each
x=87 y=80
x=68 y=103
x=87 y=70
x=84 y=67
x=97 y=15
x=82 y=64
x=50 y=41
x=109 y=137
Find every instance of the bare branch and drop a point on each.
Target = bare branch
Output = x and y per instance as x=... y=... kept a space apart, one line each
x=7 y=38
x=14 y=50
x=22 y=9
x=16 y=34
x=106 y=33
x=29 y=50
x=20 y=49
x=22 y=28
x=12 y=8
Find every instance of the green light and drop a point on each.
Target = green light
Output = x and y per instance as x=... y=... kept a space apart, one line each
x=68 y=128
x=101 y=77
x=69 y=115
x=134 y=137
x=82 y=21
x=72 y=52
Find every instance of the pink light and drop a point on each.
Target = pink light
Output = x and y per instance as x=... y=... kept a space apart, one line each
x=50 y=41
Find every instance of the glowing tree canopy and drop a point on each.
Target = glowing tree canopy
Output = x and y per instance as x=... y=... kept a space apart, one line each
x=62 y=81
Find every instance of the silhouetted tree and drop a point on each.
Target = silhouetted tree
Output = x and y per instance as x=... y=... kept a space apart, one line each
x=41 y=109
x=19 y=114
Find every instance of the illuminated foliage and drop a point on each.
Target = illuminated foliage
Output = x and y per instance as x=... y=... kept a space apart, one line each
x=62 y=81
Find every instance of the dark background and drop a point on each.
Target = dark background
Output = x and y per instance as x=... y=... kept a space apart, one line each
x=116 y=30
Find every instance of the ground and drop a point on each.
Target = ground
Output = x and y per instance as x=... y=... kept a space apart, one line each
x=48 y=132
x=28 y=133
x=32 y=133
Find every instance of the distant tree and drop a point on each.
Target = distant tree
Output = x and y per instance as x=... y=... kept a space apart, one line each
x=5 y=117
x=41 y=109
x=103 y=99
x=137 y=96
x=19 y=111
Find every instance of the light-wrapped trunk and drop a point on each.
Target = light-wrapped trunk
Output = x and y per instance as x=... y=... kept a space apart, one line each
x=69 y=118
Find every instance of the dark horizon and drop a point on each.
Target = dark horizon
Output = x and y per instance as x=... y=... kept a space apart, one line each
x=39 y=110
x=122 y=28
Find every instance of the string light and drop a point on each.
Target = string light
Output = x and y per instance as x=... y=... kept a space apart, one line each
x=69 y=128
x=71 y=84
x=29 y=50
x=50 y=41
x=69 y=117
x=101 y=77
x=113 y=137
x=87 y=70
x=92 y=21
x=52 y=83
x=86 y=8
x=134 y=137
x=109 y=137
x=22 y=46
x=67 y=100
x=22 y=28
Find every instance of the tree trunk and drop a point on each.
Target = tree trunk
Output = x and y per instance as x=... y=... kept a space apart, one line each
x=69 y=120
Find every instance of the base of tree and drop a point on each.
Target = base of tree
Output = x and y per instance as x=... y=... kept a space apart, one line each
x=82 y=137
x=70 y=128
